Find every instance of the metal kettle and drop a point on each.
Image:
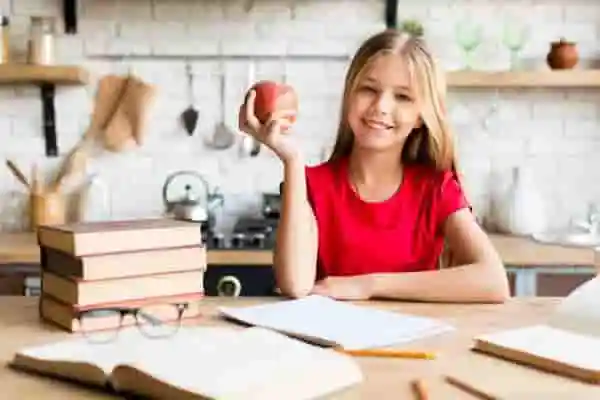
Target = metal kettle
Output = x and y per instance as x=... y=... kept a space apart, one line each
x=189 y=205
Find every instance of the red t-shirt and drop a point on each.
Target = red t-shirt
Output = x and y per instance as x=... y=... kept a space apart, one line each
x=400 y=234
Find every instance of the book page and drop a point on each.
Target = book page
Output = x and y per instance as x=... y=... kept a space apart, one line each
x=129 y=347
x=580 y=310
x=327 y=321
x=217 y=362
x=551 y=343
x=256 y=364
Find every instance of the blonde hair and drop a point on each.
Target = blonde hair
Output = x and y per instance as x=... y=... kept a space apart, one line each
x=431 y=143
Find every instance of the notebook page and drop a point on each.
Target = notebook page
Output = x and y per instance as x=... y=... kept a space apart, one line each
x=253 y=364
x=350 y=326
x=545 y=341
x=579 y=312
x=129 y=347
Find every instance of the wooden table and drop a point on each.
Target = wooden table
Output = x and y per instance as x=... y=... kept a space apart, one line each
x=523 y=257
x=384 y=378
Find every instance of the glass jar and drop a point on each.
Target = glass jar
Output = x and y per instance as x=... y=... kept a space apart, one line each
x=40 y=46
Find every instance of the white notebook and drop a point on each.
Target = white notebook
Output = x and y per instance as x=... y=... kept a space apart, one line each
x=199 y=363
x=568 y=343
x=330 y=322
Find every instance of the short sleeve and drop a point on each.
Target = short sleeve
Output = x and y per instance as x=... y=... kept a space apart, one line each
x=451 y=198
x=310 y=184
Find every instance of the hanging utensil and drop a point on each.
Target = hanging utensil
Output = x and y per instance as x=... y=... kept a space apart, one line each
x=223 y=136
x=17 y=173
x=249 y=145
x=190 y=116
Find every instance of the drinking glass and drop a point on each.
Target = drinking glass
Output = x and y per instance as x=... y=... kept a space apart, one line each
x=469 y=35
x=514 y=37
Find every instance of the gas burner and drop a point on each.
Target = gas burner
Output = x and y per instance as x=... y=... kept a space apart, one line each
x=217 y=241
x=248 y=240
x=253 y=233
x=248 y=233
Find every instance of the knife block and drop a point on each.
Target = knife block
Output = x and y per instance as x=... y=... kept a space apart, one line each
x=46 y=209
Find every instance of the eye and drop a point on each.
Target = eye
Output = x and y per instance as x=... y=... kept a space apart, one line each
x=402 y=97
x=367 y=89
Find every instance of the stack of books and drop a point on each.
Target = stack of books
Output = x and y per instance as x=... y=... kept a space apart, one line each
x=92 y=265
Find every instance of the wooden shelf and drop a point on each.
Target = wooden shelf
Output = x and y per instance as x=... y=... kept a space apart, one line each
x=47 y=77
x=37 y=74
x=525 y=79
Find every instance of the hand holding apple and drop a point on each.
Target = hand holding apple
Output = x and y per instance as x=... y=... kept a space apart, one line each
x=273 y=96
x=268 y=112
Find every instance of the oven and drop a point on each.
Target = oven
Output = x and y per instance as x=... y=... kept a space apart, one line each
x=251 y=237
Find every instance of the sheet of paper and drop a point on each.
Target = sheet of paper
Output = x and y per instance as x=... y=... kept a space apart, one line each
x=548 y=342
x=580 y=310
x=349 y=325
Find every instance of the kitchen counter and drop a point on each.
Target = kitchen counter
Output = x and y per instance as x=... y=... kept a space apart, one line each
x=21 y=248
x=523 y=257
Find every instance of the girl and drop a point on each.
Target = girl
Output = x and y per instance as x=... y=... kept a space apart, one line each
x=372 y=221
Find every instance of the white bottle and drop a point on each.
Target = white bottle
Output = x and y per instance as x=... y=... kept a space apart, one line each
x=95 y=204
x=525 y=209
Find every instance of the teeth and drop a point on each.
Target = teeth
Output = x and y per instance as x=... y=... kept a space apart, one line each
x=377 y=125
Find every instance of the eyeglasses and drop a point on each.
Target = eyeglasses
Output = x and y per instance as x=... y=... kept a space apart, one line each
x=102 y=325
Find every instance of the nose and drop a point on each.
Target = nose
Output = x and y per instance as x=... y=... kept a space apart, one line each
x=384 y=103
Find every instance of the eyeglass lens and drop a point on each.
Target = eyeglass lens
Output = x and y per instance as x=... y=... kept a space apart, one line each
x=157 y=320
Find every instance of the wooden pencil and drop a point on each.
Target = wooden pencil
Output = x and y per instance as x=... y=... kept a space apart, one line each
x=419 y=389
x=391 y=353
x=468 y=388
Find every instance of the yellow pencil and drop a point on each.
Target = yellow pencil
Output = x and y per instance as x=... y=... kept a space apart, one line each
x=391 y=353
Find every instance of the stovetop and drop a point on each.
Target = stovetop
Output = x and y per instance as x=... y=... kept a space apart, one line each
x=248 y=234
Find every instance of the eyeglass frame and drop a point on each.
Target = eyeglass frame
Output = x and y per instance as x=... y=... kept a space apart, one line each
x=135 y=312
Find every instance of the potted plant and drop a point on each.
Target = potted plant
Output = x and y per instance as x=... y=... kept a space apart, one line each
x=413 y=27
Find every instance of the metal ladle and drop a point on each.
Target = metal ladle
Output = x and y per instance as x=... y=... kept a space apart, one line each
x=223 y=136
x=189 y=117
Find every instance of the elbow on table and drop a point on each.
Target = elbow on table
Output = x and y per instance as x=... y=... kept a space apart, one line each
x=499 y=295
x=295 y=291
x=498 y=288
x=292 y=286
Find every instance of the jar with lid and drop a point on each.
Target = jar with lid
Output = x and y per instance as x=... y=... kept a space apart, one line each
x=40 y=46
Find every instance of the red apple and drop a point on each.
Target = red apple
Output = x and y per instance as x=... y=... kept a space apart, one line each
x=273 y=96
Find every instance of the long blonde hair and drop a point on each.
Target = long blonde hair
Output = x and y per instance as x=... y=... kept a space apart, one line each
x=431 y=143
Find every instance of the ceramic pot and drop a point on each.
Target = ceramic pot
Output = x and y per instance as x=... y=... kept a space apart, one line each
x=562 y=55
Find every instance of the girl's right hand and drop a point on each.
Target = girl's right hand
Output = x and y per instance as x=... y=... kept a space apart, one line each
x=271 y=132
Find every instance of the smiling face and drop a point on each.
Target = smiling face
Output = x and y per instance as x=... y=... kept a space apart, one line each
x=382 y=108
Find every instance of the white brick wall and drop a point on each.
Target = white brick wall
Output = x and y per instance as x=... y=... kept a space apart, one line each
x=556 y=131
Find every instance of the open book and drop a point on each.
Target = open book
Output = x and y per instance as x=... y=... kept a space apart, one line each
x=568 y=344
x=330 y=322
x=199 y=363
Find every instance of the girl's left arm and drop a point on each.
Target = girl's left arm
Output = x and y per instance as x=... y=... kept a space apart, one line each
x=480 y=276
